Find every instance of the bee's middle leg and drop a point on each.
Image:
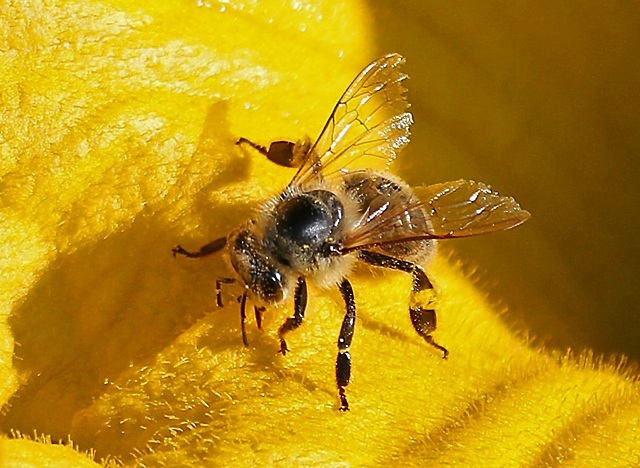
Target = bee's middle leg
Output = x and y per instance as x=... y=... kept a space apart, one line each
x=343 y=362
x=299 y=306
x=421 y=309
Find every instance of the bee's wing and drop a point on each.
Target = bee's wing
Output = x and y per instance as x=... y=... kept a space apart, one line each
x=453 y=209
x=367 y=126
x=465 y=208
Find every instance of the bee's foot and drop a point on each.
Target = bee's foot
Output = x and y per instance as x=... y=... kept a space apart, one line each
x=283 y=348
x=179 y=250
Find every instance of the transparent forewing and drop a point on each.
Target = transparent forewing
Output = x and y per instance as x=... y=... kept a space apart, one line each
x=466 y=208
x=453 y=209
x=367 y=126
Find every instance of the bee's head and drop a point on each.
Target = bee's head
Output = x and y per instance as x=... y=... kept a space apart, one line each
x=263 y=278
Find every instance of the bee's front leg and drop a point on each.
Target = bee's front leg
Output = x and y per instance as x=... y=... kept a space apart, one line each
x=243 y=319
x=299 y=306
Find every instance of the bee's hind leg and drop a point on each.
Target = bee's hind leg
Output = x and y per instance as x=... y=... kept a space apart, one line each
x=283 y=153
x=421 y=308
x=424 y=318
x=261 y=149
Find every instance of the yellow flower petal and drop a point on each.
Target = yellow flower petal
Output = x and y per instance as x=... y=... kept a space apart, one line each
x=23 y=453
x=118 y=129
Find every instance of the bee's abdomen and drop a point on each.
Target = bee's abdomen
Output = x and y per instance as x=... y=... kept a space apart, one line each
x=375 y=191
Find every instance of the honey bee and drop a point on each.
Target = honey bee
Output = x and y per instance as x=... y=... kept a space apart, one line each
x=338 y=210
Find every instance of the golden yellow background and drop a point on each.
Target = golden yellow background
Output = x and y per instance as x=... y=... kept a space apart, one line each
x=542 y=101
x=117 y=139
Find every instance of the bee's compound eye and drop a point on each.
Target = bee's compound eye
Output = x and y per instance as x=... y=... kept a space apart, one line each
x=254 y=267
x=270 y=284
x=304 y=220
